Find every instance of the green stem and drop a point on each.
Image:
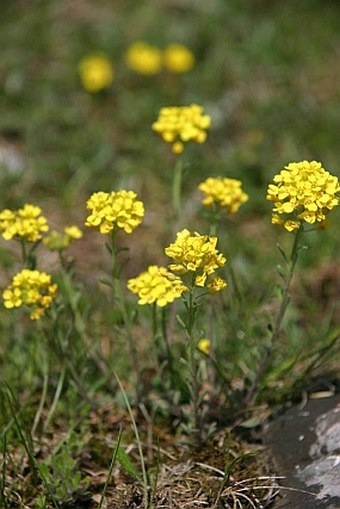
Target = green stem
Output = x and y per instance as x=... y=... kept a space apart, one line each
x=109 y=474
x=41 y=404
x=194 y=371
x=177 y=188
x=214 y=220
x=154 y=320
x=56 y=397
x=25 y=437
x=60 y=343
x=139 y=444
x=72 y=298
x=290 y=267
x=23 y=251
x=213 y=229
x=77 y=318
x=119 y=300
x=173 y=374
x=27 y=254
x=237 y=293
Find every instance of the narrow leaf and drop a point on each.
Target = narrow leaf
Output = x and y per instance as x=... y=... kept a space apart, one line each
x=126 y=463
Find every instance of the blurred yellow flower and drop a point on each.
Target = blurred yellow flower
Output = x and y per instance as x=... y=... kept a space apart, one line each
x=56 y=241
x=180 y=124
x=143 y=58
x=96 y=72
x=73 y=232
x=178 y=59
x=118 y=209
x=26 y=223
x=204 y=345
x=302 y=191
x=30 y=288
x=225 y=192
x=195 y=253
x=157 y=285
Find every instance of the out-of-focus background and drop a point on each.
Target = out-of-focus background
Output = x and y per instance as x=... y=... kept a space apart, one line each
x=266 y=71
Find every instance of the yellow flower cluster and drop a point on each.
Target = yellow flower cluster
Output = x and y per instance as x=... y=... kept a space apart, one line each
x=158 y=285
x=225 y=192
x=30 y=288
x=150 y=60
x=96 y=73
x=116 y=209
x=197 y=253
x=58 y=242
x=302 y=191
x=26 y=223
x=180 y=124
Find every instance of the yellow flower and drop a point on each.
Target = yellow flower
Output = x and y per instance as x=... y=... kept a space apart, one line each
x=143 y=58
x=303 y=191
x=157 y=285
x=8 y=224
x=180 y=124
x=216 y=284
x=116 y=209
x=58 y=242
x=31 y=288
x=25 y=223
x=204 y=345
x=178 y=58
x=96 y=72
x=225 y=192
x=195 y=253
x=73 y=232
x=178 y=147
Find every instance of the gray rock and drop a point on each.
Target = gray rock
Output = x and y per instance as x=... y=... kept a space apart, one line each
x=305 y=446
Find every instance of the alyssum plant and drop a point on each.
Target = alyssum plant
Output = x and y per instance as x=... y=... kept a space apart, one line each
x=302 y=194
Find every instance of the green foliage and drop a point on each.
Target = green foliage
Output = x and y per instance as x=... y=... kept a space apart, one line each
x=61 y=477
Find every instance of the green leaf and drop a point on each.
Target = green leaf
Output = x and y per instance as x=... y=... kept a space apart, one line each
x=253 y=422
x=180 y=321
x=282 y=271
x=282 y=369
x=126 y=463
x=282 y=252
x=105 y=281
x=44 y=472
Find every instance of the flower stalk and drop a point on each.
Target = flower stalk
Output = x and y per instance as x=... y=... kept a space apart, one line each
x=290 y=264
x=194 y=376
x=177 y=188
x=119 y=301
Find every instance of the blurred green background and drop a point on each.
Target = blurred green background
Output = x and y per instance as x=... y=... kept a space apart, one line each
x=266 y=71
x=265 y=66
